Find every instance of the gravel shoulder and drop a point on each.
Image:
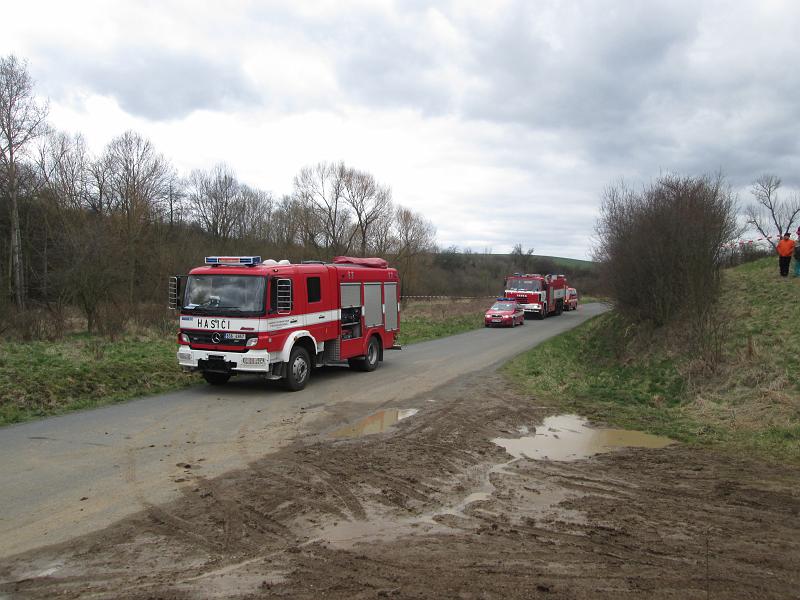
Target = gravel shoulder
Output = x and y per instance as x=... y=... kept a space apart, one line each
x=432 y=508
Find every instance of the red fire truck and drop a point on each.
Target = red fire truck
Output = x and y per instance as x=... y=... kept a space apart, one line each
x=539 y=295
x=280 y=320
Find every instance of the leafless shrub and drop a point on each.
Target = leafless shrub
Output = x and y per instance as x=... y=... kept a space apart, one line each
x=154 y=317
x=660 y=247
x=112 y=319
x=36 y=323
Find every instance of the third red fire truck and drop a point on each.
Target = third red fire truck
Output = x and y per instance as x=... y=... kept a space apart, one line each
x=280 y=320
x=538 y=295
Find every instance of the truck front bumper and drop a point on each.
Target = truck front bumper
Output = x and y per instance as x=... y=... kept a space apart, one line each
x=252 y=361
x=531 y=308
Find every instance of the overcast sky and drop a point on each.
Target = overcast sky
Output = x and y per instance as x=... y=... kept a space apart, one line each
x=502 y=122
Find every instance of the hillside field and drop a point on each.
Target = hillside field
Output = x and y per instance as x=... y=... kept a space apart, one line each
x=739 y=388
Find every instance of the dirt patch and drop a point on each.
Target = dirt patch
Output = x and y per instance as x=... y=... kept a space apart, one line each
x=432 y=508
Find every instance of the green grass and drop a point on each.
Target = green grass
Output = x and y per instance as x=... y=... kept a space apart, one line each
x=45 y=378
x=567 y=263
x=423 y=328
x=748 y=400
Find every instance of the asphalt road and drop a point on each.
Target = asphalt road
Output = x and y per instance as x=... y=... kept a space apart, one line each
x=65 y=476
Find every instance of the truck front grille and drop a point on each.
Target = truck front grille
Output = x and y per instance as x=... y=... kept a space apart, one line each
x=207 y=338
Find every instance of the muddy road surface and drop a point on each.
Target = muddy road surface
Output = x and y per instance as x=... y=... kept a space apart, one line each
x=418 y=501
x=69 y=475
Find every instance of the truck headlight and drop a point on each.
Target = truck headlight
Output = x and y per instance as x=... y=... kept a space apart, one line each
x=184 y=338
x=251 y=342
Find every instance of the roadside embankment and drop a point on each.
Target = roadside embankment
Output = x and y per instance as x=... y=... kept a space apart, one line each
x=736 y=386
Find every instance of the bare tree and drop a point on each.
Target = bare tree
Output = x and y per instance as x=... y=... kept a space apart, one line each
x=321 y=188
x=369 y=201
x=175 y=199
x=100 y=199
x=214 y=196
x=287 y=223
x=382 y=236
x=254 y=214
x=522 y=259
x=415 y=236
x=138 y=183
x=22 y=119
x=770 y=212
x=64 y=167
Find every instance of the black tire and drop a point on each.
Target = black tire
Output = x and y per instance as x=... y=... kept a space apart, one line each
x=371 y=359
x=298 y=369
x=216 y=378
x=542 y=313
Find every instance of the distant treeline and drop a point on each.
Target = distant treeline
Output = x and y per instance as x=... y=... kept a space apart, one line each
x=102 y=232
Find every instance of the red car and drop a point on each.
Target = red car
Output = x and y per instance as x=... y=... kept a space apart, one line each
x=504 y=313
x=571 y=301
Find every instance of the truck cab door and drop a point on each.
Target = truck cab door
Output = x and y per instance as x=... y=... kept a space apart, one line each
x=320 y=314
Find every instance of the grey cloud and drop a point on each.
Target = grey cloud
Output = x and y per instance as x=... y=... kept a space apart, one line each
x=622 y=85
x=156 y=83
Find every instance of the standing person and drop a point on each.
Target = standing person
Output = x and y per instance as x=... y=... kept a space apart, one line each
x=797 y=257
x=785 y=250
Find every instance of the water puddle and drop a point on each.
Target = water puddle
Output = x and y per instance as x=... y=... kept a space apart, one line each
x=569 y=437
x=559 y=438
x=375 y=423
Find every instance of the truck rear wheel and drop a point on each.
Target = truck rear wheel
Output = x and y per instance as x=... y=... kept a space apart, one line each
x=298 y=369
x=371 y=359
x=216 y=378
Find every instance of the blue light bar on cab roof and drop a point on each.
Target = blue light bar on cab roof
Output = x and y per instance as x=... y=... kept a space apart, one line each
x=234 y=261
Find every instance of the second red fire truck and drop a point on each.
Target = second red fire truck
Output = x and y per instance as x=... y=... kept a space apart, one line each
x=281 y=320
x=538 y=295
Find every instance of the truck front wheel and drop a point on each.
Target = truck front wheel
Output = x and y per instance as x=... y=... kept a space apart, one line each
x=298 y=369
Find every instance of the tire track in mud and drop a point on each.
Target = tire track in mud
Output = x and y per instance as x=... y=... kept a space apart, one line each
x=235 y=532
x=163 y=519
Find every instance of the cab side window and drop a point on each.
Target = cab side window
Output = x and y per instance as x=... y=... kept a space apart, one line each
x=314 y=289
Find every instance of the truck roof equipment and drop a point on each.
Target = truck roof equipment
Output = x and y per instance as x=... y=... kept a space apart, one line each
x=233 y=261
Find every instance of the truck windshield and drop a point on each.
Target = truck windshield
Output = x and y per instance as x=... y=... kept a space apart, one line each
x=523 y=285
x=225 y=295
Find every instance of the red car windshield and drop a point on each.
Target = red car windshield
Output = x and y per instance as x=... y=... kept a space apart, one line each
x=504 y=306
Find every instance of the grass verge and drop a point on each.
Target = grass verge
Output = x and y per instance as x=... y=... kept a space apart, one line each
x=46 y=378
x=423 y=321
x=747 y=400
